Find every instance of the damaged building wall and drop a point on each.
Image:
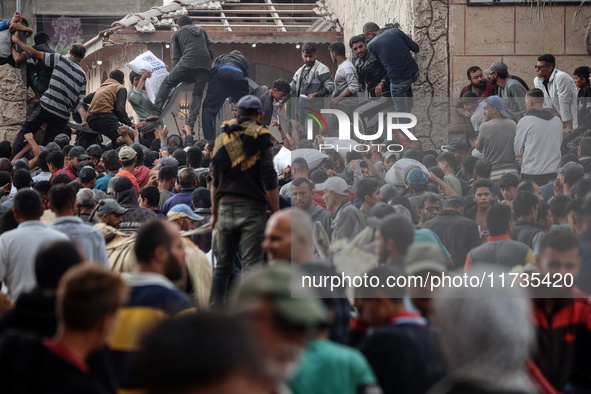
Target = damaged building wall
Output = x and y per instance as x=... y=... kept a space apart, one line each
x=13 y=102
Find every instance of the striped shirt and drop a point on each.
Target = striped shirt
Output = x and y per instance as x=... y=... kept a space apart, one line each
x=67 y=84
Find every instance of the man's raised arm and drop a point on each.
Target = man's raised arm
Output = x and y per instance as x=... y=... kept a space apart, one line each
x=31 y=51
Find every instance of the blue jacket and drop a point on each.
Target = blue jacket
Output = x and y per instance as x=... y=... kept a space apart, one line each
x=184 y=197
x=393 y=48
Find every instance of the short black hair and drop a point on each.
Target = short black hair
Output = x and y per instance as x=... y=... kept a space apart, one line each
x=507 y=181
x=41 y=38
x=66 y=150
x=366 y=187
x=502 y=75
x=139 y=154
x=543 y=209
x=151 y=234
x=166 y=173
x=78 y=50
x=472 y=70
x=497 y=219
x=5 y=149
x=355 y=39
x=171 y=357
x=111 y=160
x=585 y=146
x=526 y=186
x=301 y=180
x=469 y=97
x=21 y=179
x=95 y=151
x=560 y=240
x=194 y=157
x=412 y=154
x=300 y=164
x=281 y=85
x=61 y=197
x=43 y=187
x=448 y=158
x=483 y=168
x=558 y=206
x=550 y=59
x=5 y=178
x=187 y=177
x=430 y=161
x=117 y=75
x=468 y=164
x=399 y=229
x=524 y=202
x=582 y=187
x=582 y=72
x=309 y=48
x=184 y=20
x=27 y=203
x=56 y=159
x=152 y=194
x=52 y=261
x=181 y=156
x=42 y=160
x=61 y=179
x=535 y=95
x=352 y=155
x=482 y=183
x=201 y=198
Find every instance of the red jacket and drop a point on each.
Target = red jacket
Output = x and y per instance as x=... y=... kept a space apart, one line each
x=68 y=170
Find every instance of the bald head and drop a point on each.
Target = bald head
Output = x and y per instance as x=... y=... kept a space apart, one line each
x=288 y=236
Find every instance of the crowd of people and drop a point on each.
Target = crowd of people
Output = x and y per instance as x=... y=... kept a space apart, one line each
x=159 y=263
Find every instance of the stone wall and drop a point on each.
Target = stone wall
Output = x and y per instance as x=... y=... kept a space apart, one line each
x=13 y=102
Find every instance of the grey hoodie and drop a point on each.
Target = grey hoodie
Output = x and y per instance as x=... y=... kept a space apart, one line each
x=191 y=48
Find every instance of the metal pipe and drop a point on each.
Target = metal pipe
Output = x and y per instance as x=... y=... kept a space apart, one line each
x=18 y=6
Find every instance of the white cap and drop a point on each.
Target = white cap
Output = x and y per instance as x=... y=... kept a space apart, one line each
x=336 y=184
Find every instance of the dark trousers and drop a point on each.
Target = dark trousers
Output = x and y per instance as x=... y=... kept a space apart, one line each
x=55 y=126
x=225 y=83
x=541 y=180
x=106 y=124
x=238 y=223
x=179 y=74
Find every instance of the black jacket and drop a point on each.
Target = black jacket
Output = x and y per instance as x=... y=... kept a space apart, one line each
x=191 y=48
x=458 y=234
x=231 y=59
x=33 y=313
x=371 y=73
x=526 y=232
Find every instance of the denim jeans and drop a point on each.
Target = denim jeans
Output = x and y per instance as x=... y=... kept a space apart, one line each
x=237 y=222
x=401 y=92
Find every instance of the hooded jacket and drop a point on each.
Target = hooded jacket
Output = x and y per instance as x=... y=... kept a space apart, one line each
x=561 y=95
x=191 y=48
x=135 y=215
x=33 y=313
x=539 y=133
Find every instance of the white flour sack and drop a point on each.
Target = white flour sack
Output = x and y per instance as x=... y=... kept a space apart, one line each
x=147 y=61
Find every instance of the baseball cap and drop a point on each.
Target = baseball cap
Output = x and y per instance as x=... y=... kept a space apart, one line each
x=388 y=192
x=336 y=184
x=119 y=184
x=497 y=67
x=87 y=174
x=456 y=198
x=62 y=140
x=79 y=152
x=456 y=143
x=572 y=170
x=249 y=105
x=498 y=103
x=423 y=256
x=182 y=211
x=377 y=213
x=110 y=206
x=169 y=162
x=274 y=284
x=53 y=147
x=387 y=155
x=416 y=177
x=127 y=153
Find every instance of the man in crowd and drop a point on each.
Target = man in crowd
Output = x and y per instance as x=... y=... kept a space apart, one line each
x=500 y=249
x=19 y=247
x=508 y=185
x=140 y=101
x=111 y=213
x=525 y=206
x=42 y=71
x=428 y=206
x=393 y=237
x=496 y=138
x=188 y=182
x=480 y=86
x=559 y=90
x=166 y=179
x=579 y=215
x=191 y=54
x=153 y=297
x=128 y=162
x=346 y=220
x=244 y=181
x=371 y=73
x=228 y=79
x=299 y=169
x=107 y=108
x=483 y=197
x=458 y=234
x=510 y=90
x=301 y=196
x=124 y=193
x=368 y=191
x=268 y=97
x=581 y=79
x=76 y=155
x=447 y=162
x=90 y=241
x=149 y=198
x=55 y=162
x=344 y=96
x=537 y=140
x=393 y=48
x=110 y=163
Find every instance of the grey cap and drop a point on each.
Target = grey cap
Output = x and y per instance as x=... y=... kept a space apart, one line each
x=62 y=140
x=249 y=105
x=111 y=206
x=78 y=152
x=572 y=170
x=87 y=174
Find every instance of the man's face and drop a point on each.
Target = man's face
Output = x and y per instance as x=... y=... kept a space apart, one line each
x=329 y=199
x=371 y=35
x=360 y=50
x=552 y=262
x=374 y=198
x=483 y=197
x=112 y=219
x=477 y=79
x=309 y=58
x=471 y=107
x=459 y=154
x=277 y=241
x=301 y=196
x=430 y=210
x=579 y=82
x=493 y=78
x=543 y=70
x=206 y=152
x=278 y=95
x=537 y=192
x=509 y=192
x=372 y=311
x=173 y=268
x=489 y=111
x=187 y=224
x=74 y=162
x=388 y=163
x=136 y=80
x=365 y=172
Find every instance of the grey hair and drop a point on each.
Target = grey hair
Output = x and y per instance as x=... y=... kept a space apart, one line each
x=402 y=210
x=85 y=198
x=428 y=196
x=486 y=333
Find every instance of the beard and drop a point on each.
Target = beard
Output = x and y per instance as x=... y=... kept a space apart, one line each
x=173 y=270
